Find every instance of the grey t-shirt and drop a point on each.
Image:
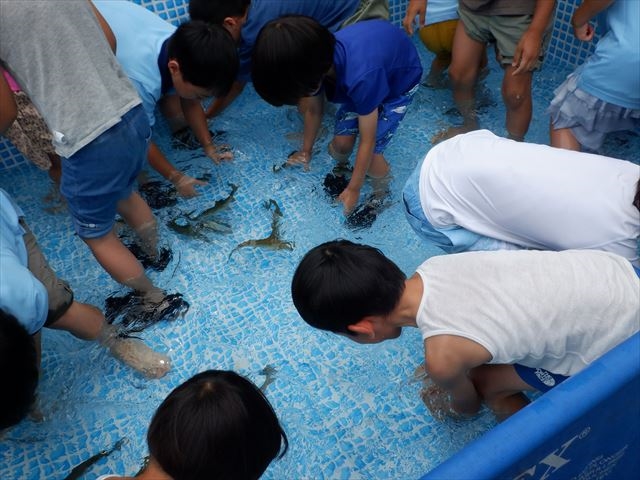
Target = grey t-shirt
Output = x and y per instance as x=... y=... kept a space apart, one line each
x=59 y=55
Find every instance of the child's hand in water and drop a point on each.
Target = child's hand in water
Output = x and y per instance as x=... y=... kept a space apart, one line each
x=299 y=158
x=349 y=198
x=218 y=153
x=185 y=185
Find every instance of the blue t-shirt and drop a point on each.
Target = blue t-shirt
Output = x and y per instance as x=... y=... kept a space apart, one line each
x=441 y=11
x=21 y=294
x=612 y=73
x=374 y=62
x=140 y=35
x=330 y=13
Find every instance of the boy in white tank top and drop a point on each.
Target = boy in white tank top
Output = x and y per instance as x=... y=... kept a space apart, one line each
x=494 y=324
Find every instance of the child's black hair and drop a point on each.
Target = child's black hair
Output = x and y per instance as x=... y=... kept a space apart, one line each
x=338 y=283
x=217 y=425
x=19 y=367
x=207 y=56
x=215 y=11
x=290 y=58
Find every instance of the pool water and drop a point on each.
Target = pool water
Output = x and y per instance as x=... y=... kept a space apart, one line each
x=350 y=411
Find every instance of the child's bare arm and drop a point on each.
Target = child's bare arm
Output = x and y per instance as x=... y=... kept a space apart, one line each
x=106 y=29
x=194 y=115
x=311 y=109
x=8 y=108
x=368 y=126
x=184 y=183
x=588 y=9
x=414 y=8
x=220 y=103
x=528 y=48
x=448 y=359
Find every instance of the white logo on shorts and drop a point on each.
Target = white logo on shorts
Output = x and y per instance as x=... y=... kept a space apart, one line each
x=545 y=377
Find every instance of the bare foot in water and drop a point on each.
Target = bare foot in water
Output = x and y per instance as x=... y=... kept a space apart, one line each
x=135 y=354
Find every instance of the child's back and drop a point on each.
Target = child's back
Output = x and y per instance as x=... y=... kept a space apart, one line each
x=374 y=61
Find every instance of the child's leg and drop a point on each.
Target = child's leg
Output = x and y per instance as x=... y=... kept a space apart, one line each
x=81 y=320
x=379 y=167
x=500 y=388
x=463 y=72
x=341 y=146
x=140 y=218
x=563 y=138
x=516 y=93
x=121 y=264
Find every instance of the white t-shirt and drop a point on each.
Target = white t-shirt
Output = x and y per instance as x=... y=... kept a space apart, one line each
x=532 y=195
x=553 y=310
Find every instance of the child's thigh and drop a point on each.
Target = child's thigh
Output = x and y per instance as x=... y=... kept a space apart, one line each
x=497 y=380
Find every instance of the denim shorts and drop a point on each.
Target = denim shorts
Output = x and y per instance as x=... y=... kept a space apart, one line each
x=390 y=114
x=98 y=176
x=539 y=378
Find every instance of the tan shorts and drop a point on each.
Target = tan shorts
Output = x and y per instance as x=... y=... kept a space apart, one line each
x=438 y=37
x=59 y=292
x=505 y=30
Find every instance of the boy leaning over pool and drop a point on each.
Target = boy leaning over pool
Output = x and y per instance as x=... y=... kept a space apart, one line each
x=494 y=324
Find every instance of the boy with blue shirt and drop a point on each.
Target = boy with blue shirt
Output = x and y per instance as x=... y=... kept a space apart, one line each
x=245 y=18
x=193 y=61
x=371 y=68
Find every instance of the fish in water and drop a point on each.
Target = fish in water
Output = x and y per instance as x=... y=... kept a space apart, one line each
x=158 y=194
x=269 y=373
x=80 y=469
x=273 y=241
x=184 y=139
x=193 y=225
x=136 y=315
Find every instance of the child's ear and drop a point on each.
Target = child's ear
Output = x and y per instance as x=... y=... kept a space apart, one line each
x=174 y=67
x=363 y=327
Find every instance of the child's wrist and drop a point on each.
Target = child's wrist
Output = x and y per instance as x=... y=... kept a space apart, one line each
x=175 y=177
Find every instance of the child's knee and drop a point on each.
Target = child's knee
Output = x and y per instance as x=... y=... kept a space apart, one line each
x=340 y=147
x=516 y=95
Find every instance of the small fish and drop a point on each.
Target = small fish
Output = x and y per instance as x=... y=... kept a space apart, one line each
x=192 y=225
x=216 y=226
x=182 y=225
x=80 y=469
x=273 y=241
x=270 y=375
x=217 y=206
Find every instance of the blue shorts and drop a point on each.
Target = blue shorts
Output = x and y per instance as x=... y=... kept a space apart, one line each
x=98 y=176
x=539 y=378
x=390 y=115
x=454 y=239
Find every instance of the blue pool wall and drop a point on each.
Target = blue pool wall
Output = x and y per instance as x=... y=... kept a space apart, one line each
x=586 y=428
x=564 y=49
x=581 y=429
